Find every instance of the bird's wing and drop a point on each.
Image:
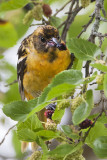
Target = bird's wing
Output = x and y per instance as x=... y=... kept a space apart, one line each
x=21 y=69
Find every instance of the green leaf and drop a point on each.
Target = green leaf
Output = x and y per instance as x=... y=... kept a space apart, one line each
x=19 y=110
x=105 y=84
x=47 y=134
x=100 y=87
x=77 y=64
x=64 y=150
x=58 y=114
x=52 y=1
x=83 y=111
x=98 y=130
x=68 y=132
x=103 y=119
x=61 y=150
x=100 y=147
x=38 y=108
x=91 y=78
x=44 y=148
x=61 y=84
x=13 y=4
x=55 y=21
x=59 y=90
x=100 y=67
x=32 y=123
x=26 y=135
x=83 y=49
x=1 y=56
x=16 y=144
x=8 y=35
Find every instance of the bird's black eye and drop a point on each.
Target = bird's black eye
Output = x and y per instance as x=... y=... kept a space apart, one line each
x=43 y=39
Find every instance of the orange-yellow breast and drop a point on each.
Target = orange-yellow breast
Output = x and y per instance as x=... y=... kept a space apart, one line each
x=40 y=70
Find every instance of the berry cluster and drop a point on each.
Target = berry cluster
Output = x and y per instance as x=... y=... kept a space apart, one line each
x=85 y=124
x=48 y=113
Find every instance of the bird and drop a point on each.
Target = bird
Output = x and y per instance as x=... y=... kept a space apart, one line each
x=41 y=56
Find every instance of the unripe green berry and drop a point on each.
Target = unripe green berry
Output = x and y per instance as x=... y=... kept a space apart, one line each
x=77 y=155
x=65 y=96
x=27 y=17
x=75 y=103
x=37 y=12
x=85 y=3
x=50 y=125
x=36 y=156
x=99 y=79
x=63 y=104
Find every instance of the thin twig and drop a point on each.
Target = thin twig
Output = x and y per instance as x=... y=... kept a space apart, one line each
x=7 y=133
x=15 y=81
x=73 y=12
x=61 y=25
x=86 y=25
x=86 y=134
x=62 y=8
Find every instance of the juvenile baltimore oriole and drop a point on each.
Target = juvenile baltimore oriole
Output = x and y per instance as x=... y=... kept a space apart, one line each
x=41 y=56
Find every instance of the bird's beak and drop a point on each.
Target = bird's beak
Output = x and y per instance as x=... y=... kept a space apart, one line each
x=53 y=42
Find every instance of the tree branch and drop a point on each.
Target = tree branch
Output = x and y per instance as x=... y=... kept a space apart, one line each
x=86 y=25
x=62 y=8
x=99 y=6
x=7 y=133
x=70 y=18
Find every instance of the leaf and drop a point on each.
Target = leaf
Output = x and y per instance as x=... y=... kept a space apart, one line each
x=63 y=82
x=47 y=134
x=105 y=84
x=100 y=67
x=98 y=130
x=55 y=21
x=19 y=110
x=67 y=130
x=52 y=1
x=77 y=64
x=32 y=123
x=61 y=150
x=1 y=56
x=13 y=4
x=44 y=148
x=103 y=119
x=26 y=135
x=91 y=78
x=16 y=144
x=100 y=87
x=59 y=90
x=83 y=111
x=83 y=49
x=58 y=114
x=64 y=150
x=100 y=147
x=8 y=35
x=38 y=108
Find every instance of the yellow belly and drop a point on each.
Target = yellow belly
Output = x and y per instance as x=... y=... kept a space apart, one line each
x=40 y=71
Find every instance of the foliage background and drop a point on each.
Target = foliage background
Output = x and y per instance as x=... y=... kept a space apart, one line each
x=12 y=31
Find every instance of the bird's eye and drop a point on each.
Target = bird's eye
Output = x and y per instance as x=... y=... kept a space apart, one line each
x=43 y=39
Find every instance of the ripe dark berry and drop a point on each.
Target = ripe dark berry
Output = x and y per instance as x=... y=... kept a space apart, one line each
x=85 y=124
x=47 y=10
x=48 y=113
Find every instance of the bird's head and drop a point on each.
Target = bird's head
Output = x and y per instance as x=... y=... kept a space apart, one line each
x=46 y=39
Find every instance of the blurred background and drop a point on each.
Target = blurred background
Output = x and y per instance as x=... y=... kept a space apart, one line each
x=14 y=27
